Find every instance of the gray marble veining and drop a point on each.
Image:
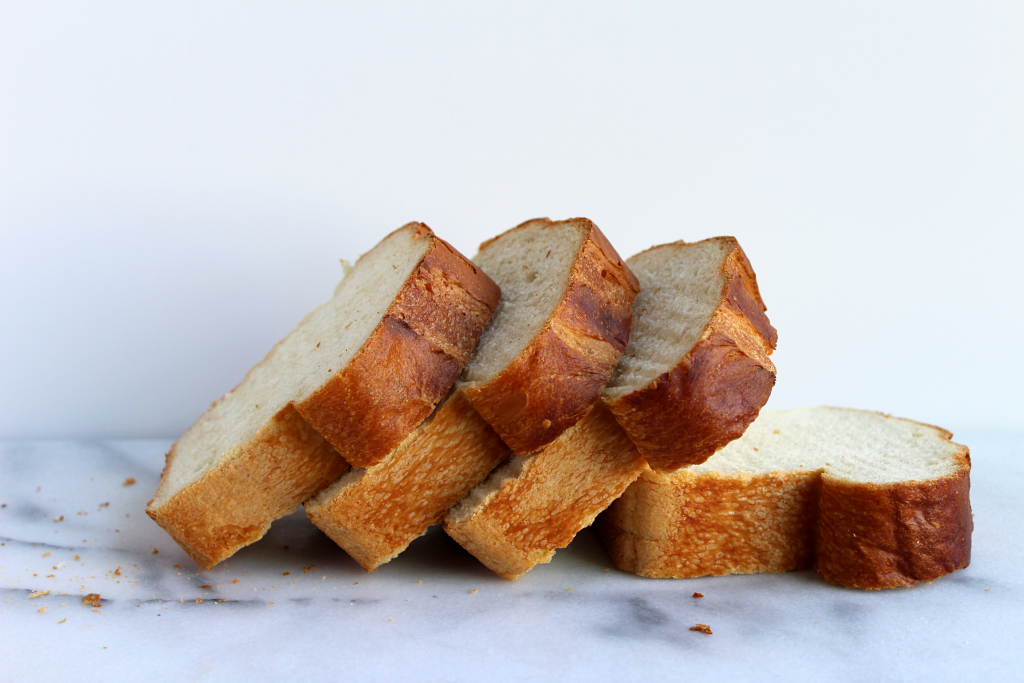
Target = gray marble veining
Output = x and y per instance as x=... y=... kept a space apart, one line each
x=295 y=605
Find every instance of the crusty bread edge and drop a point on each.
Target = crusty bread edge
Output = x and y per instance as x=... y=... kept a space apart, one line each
x=717 y=389
x=233 y=504
x=410 y=361
x=580 y=344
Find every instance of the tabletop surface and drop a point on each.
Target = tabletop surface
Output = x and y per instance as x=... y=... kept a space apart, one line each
x=294 y=604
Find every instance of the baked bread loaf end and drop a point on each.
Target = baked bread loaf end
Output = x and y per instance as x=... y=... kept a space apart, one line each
x=869 y=500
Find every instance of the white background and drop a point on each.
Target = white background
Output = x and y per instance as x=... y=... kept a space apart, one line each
x=178 y=181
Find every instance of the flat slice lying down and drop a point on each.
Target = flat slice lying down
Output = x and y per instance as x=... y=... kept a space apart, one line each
x=563 y=320
x=697 y=368
x=869 y=500
x=347 y=386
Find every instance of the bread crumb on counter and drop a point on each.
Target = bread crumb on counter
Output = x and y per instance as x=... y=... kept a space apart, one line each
x=91 y=600
x=702 y=628
x=129 y=481
x=698 y=595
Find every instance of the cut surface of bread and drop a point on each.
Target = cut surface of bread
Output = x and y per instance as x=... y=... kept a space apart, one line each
x=697 y=368
x=533 y=505
x=543 y=325
x=869 y=500
x=363 y=370
x=561 y=327
x=374 y=513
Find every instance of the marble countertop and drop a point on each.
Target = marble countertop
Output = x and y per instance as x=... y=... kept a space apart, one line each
x=295 y=605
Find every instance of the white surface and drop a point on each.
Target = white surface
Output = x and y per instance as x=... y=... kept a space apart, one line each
x=178 y=180
x=611 y=626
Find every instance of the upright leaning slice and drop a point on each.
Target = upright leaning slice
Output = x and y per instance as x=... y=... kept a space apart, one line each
x=563 y=320
x=348 y=385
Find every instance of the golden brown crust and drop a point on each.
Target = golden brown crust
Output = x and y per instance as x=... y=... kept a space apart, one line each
x=710 y=397
x=254 y=483
x=577 y=349
x=394 y=502
x=558 y=492
x=685 y=525
x=854 y=534
x=875 y=536
x=409 y=362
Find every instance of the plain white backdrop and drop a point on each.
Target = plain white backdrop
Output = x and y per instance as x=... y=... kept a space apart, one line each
x=178 y=181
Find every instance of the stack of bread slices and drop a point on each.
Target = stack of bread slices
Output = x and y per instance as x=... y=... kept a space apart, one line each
x=519 y=396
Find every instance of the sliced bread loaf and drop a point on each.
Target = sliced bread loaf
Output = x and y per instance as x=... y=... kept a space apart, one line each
x=548 y=343
x=695 y=364
x=697 y=368
x=347 y=386
x=869 y=500
x=562 y=325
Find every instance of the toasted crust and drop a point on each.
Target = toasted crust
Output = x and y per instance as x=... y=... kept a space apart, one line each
x=557 y=493
x=710 y=397
x=255 y=483
x=376 y=516
x=874 y=536
x=409 y=362
x=579 y=345
x=854 y=534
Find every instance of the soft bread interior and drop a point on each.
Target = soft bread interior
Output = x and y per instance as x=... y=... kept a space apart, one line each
x=680 y=288
x=324 y=343
x=857 y=445
x=532 y=265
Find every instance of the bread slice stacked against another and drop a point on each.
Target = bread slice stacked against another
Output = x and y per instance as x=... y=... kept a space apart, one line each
x=695 y=373
x=347 y=386
x=869 y=500
x=563 y=321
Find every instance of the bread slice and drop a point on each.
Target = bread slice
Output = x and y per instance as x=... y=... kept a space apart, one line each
x=531 y=506
x=869 y=500
x=348 y=385
x=561 y=328
x=697 y=368
x=374 y=513
x=555 y=319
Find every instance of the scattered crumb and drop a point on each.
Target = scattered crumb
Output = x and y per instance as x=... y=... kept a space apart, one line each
x=703 y=628
x=129 y=481
x=117 y=572
x=175 y=565
x=59 y=519
x=45 y=554
x=234 y=580
x=698 y=595
x=776 y=431
x=419 y=581
x=986 y=590
x=307 y=569
x=92 y=600
x=390 y=619
x=103 y=505
x=77 y=558
x=474 y=590
x=38 y=593
x=285 y=573
x=206 y=586
x=568 y=590
x=198 y=600
x=155 y=551
x=62 y=620
x=270 y=603
x=97 y=610
x=356 y=583
x=42 y=609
